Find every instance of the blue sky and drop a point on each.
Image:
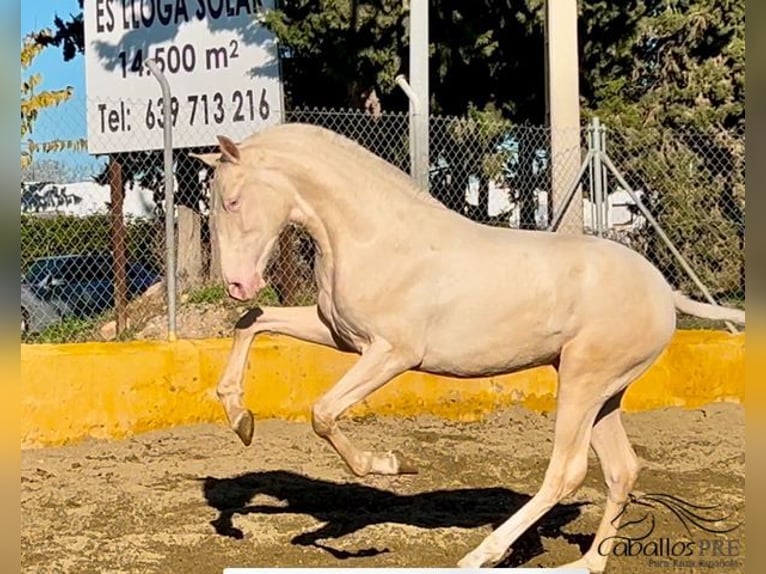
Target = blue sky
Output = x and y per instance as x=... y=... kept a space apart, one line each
x=69 y=120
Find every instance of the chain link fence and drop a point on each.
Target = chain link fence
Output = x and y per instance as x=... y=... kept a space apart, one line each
x=495 y=173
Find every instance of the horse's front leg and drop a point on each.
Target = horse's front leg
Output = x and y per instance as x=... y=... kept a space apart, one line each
x=377 y=366
x=300 y=322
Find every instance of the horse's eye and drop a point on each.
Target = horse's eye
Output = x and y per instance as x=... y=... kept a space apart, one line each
x=231 y=205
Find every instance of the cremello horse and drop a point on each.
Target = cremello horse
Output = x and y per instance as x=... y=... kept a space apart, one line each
x=409 y=284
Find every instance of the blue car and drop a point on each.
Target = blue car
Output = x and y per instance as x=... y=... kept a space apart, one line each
x=76 y=286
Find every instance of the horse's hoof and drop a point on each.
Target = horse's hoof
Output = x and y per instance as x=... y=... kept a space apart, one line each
x=405 y=465
x=244 y=427
x=467 y=562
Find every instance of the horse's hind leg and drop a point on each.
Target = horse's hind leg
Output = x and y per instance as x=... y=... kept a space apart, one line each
x=578 y=403
x=588 y=374
x=620 y=467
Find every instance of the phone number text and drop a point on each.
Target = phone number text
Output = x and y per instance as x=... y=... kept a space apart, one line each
x=193 y=110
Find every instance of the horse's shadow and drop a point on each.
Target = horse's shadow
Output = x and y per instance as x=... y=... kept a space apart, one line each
x=345 y=508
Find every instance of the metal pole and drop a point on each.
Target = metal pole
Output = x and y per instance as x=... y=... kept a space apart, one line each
x=592 y=145
x=419 y=79
x=167 y=141
x=604 y=178
x=414 y=110
x=598 y=190
x=650 y=218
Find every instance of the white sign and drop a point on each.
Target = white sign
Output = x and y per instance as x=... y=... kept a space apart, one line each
x=221 y=63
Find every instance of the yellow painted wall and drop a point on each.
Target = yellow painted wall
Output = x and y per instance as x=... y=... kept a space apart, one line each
x=112 y=390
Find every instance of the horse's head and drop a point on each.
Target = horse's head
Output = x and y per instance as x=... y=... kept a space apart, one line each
x=251 y=202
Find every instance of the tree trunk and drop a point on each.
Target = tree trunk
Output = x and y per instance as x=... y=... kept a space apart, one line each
x=188 y=194
x=119 y=241
x=189 y=264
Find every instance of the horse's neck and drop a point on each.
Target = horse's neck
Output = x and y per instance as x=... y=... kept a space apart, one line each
x=351 y=203
x=348 y=221
x=337 y=212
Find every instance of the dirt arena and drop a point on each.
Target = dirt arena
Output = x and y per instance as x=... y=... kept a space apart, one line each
x=194 y=500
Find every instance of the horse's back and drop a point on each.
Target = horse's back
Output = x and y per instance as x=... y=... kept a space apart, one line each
x=522 y=295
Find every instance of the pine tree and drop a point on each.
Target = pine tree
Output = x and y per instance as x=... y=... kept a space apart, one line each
x=670 y=85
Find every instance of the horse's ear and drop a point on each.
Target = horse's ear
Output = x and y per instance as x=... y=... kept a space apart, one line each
x=229 y=150
x=210 y=159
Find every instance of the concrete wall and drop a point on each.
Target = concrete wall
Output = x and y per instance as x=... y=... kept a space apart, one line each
x=113 y=390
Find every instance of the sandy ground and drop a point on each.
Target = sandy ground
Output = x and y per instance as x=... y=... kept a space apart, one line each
x=194 y=500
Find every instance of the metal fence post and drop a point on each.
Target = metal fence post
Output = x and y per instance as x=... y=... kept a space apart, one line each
x=415 y=152
x=604 y=177
x=167 y=140
x=598 y=178
x=591 y=177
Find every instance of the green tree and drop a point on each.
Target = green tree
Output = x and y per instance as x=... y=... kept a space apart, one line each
x=671 y=89
x=335 y=51
x=477 y=71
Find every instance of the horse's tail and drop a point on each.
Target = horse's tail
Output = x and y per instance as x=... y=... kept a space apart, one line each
x=706 y=310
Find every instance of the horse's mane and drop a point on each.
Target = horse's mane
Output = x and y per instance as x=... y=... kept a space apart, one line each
x=291 y=134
